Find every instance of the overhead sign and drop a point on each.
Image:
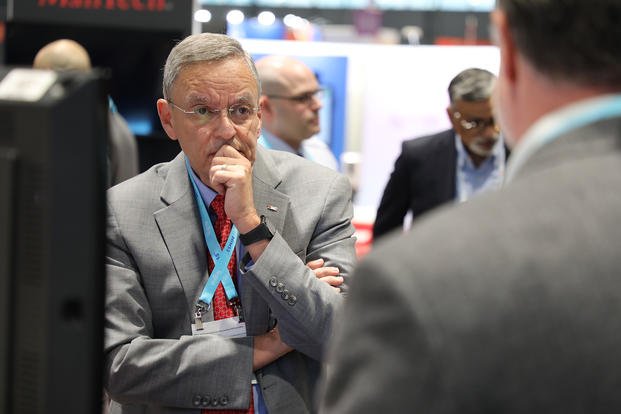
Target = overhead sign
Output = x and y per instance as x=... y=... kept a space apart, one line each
x=142 y=14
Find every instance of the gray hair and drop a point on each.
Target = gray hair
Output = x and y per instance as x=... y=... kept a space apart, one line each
x=472 y=85
x=203 y=47
x=575 y=40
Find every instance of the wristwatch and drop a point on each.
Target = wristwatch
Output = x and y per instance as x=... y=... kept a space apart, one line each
x=261 y=232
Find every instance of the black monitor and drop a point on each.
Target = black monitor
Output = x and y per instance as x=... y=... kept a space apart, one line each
x=52 y=221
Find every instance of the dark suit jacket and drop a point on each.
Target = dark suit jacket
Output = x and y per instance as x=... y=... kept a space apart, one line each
x=510 y=303
x=423 y=178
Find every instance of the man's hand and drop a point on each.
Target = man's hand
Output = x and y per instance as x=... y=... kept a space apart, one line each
x=327 y=274
x=268 y=348
x=231 y=175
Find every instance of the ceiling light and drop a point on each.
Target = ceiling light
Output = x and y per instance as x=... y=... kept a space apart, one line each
x=235 y=17
x=202 y=16
x=266 y=18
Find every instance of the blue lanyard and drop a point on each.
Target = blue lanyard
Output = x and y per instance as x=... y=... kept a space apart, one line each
x=221 y=257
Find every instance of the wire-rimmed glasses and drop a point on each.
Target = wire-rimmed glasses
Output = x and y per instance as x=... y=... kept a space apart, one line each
x=303 y=98
x=239 y=113
x=476 y=124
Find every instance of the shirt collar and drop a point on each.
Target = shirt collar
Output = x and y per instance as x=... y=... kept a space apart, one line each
x=557 y=123
x=271 y=141
x=207 y=194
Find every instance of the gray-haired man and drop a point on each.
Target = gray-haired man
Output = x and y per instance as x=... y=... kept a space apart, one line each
x=194 y=323
x=452 y=165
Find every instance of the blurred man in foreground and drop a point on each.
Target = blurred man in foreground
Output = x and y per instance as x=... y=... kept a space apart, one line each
x=510 y=303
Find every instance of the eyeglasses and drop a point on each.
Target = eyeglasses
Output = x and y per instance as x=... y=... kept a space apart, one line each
x=303 y=98
x=476 y=124
x=239 y=114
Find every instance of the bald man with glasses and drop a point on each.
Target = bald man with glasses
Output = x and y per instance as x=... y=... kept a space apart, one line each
x=290 y=102
x=452 y=165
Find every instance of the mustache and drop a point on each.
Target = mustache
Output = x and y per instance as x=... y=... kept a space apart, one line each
x=485 y=140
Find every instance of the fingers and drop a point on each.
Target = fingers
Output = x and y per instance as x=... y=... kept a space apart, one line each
x=326 y=271
x=228 y=152
x=327 y=274
x=315 y=264
x=229 y=168
x=334 y=281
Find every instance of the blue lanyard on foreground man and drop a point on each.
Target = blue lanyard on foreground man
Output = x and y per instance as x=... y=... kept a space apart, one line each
x=221 y=257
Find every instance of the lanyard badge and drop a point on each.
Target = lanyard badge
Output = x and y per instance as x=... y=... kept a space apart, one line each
x=221 y=258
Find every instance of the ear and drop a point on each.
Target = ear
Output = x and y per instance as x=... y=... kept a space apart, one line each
x=165 y=114
x=449 y=113
x=506 y=44
x=259 y=116
x=454 y=123
x=265 y=104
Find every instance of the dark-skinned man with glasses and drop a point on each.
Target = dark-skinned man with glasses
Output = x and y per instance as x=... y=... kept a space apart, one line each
x=290 y=103
x=451 y=165
x=210 y=304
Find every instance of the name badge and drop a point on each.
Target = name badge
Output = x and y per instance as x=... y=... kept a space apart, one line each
x=228 y=328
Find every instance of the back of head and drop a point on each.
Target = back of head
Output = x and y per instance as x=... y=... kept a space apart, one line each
x=472 y=85
x=205 y=48
x=574 y=40
x=63 y=54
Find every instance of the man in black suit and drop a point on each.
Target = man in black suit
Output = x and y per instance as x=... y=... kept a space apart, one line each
x=452 y=165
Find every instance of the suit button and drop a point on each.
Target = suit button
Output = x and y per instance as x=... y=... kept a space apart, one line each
x=285 y=294
x=205 y=401
x=280 y=287
x=196 y=401
x=215 y=401
x=292 y=300
x=224 y=400
x=273 y=281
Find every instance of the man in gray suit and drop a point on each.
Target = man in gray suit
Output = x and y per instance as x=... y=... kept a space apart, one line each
x=166 y=350
x=510 y=303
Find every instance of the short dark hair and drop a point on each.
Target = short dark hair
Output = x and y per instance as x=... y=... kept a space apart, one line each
x=471 y=85
x=575 y=40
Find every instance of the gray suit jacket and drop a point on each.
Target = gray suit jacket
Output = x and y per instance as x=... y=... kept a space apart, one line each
x=510 y=303
x=157 y=263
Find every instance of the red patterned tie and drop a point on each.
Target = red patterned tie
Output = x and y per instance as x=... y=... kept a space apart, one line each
x=221 y=307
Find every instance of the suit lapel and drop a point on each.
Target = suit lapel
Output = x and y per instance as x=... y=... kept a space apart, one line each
x=179 y=225
x=267 y=199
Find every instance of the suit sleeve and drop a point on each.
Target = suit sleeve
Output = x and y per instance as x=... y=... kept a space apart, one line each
x=304 y=306
x=395 y=200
